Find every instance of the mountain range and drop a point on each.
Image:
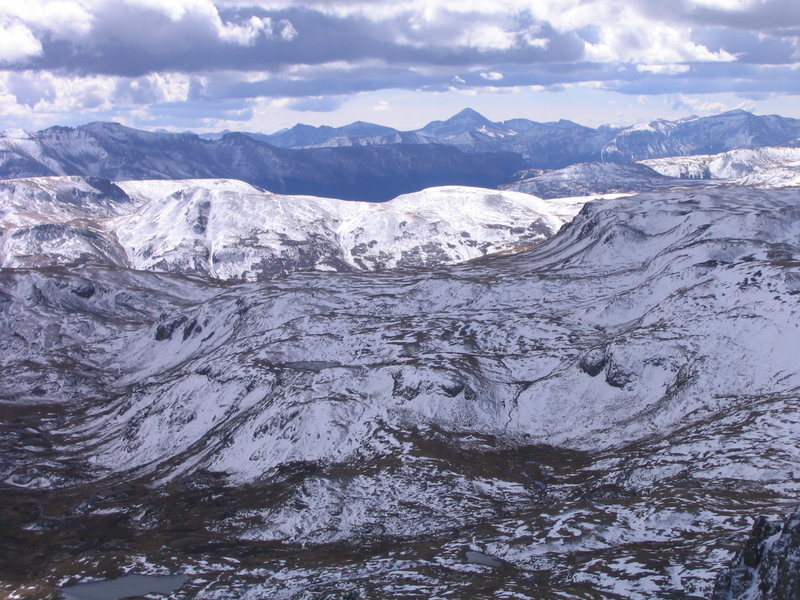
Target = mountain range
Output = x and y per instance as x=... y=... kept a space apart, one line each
x=369 y=162
x=558 y=144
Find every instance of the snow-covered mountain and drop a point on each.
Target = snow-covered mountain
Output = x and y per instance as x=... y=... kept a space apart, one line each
x=598 y=417
x=769 y=167
x=230 y=230
x=358 y=133
x=700 y=135
x=585 y=179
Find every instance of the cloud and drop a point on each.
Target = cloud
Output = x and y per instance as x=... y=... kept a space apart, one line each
x=668 y=69
x=312 y=55
x=17 y=43
x=58 y=19
x=747 y=46
x=777 y=17
x=700 y=107
x=492 y=76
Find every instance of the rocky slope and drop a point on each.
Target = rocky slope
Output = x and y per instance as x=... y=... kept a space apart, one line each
x=596 y=417
x=230 y=230
x=768 y=567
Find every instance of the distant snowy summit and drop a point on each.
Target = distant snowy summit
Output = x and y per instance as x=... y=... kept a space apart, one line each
x=770 y=167
x=230 y=230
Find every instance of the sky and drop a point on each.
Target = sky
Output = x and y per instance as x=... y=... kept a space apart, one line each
x=263 y=65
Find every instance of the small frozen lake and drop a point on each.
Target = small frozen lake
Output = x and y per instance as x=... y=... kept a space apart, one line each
x=124 y=587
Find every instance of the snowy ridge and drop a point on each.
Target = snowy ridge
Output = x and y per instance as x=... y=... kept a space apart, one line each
x=772 y=167
x=586 y=179
x=229 y=229
x=769 y=167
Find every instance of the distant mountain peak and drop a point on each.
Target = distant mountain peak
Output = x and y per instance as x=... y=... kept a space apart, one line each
x=466 y=121
x=305 y=127
x=736 y=111
x=468 y=114
x=103 y=125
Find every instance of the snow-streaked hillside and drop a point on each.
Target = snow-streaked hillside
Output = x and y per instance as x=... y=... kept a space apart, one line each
x=596 y=178
x=230 y=230
x=700 y=135
x=598 y=417
x=771 y=167
x=768 y=167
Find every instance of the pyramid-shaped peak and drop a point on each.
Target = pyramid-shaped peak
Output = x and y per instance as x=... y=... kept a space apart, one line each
x=469 y=115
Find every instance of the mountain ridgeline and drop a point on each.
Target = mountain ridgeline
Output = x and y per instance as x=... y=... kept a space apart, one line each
x=362 y=161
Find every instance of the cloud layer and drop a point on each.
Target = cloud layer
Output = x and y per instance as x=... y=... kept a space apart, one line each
x=220 y=58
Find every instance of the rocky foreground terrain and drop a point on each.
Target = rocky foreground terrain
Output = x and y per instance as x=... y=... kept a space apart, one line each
x=603 y=415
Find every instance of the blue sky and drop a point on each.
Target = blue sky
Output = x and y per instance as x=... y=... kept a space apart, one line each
x=208 y=65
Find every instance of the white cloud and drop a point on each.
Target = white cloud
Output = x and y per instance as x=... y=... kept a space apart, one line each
x=731 y=5
x=176 y=9
x=247 y=33
x=668 y=69
x=487 y=37
x=698 y=106
x=158 y=87
x=69 y=19
x=492 y=76
x=38 y=95
x=17 y=42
